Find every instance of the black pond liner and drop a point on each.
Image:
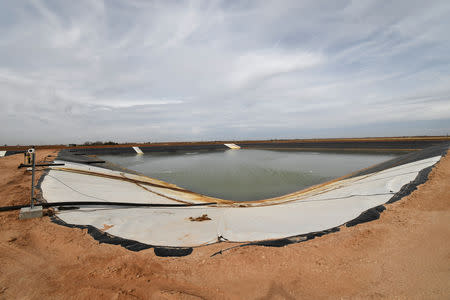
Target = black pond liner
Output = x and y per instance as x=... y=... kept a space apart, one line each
x=81 y=158
x=145 y=149
x=171 y=252
x=439 y=150
x=12 y=152
x=374 y=213
x=407 y=189
x=362 y=145
x=367 y=216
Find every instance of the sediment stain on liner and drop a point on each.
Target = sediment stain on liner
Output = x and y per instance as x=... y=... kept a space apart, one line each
x=300 y=213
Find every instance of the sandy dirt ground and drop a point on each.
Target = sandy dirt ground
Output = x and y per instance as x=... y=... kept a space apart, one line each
x=405 y=254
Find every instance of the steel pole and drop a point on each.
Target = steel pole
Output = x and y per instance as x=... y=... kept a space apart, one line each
x=33 y=156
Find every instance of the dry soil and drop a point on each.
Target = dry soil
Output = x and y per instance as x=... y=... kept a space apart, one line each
x=405 y=254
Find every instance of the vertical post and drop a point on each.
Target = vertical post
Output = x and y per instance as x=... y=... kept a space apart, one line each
x=33 y=156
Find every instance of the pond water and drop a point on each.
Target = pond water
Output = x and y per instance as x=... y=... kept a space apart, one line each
x=245 y=175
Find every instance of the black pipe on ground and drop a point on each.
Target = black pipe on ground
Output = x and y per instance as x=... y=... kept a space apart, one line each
x=39 y=165
x=101 y=203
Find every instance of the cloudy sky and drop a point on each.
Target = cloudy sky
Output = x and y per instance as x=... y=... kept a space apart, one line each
x=76 y=71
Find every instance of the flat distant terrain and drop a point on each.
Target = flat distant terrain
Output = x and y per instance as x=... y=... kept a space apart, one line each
x=282 y=141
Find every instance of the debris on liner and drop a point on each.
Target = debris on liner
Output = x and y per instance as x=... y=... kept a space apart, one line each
x=202 y=218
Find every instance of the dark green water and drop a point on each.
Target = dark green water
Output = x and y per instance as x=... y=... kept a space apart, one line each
x=244 y=175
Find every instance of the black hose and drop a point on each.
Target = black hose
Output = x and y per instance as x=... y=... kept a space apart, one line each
x=10 y=208
x=92 y=203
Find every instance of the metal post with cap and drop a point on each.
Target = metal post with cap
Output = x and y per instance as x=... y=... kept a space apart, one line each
x=32 y=211
x=32 y=151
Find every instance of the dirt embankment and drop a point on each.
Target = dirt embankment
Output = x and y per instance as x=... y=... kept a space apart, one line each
x=404 y=254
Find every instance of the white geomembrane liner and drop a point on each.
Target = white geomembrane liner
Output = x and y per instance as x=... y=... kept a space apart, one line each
x=299 y=213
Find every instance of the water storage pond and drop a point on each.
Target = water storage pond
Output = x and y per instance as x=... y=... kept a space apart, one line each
x=245 y=174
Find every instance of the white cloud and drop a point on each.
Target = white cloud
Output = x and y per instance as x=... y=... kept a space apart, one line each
x=259 y=64
x=124 y=70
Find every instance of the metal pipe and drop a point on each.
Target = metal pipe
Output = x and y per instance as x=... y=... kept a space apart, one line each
x=93 y=162
x=102 y=203
x=39 y=165
x=33 y=158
